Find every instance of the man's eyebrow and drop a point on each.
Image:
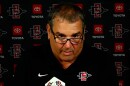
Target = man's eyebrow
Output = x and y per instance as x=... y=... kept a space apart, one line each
x=75 y=34
x=60 y=34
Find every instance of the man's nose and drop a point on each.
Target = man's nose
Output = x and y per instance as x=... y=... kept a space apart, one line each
x=68 y=44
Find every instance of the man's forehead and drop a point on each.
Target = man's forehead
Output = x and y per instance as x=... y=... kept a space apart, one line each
x=60 y=19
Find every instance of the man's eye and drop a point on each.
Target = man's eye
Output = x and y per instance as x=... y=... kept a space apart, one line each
x=60 y=36
x=76 y=36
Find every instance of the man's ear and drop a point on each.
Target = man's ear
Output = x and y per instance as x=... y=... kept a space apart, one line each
x=48 y=30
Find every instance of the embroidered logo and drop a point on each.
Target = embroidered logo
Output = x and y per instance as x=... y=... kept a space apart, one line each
x=83 y=76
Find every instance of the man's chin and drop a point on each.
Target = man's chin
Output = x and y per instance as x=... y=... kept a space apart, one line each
x=69 y=58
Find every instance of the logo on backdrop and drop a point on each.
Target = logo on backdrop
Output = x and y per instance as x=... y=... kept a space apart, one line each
x=16 y=50
x=120 y=68
x=17 y=32
x=97 y=10
x=80 y=5
x=2 y=32
x=2 y=70
x=15 y=11
x=119 y=9
x=118 y=31
x=98 y=31
x=121 y=83
x=119 y=49
x=37 y=11
x=36 y=32
x=1 y=51
x=1 y=83
x=100 y=47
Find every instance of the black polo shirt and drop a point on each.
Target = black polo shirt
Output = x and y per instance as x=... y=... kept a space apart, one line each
x=38 y=67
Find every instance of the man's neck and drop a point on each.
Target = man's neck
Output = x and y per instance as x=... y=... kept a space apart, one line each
x=66 y=65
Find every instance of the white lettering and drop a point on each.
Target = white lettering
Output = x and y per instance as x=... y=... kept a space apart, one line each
x=19 y=38
x=118 y=15
x=97 y=36
x=38 y=16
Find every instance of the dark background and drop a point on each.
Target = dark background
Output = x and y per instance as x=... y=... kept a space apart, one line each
x=106 y=41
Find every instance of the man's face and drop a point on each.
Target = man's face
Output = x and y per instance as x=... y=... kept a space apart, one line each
x=66 y=52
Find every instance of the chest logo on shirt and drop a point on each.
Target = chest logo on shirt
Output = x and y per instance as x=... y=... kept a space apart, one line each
x=83 y=76
x=55 y=82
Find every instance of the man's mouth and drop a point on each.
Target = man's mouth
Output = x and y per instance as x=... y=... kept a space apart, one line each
x=67 y=53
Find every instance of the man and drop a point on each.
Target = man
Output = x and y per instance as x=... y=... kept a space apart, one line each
x=68 y=61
